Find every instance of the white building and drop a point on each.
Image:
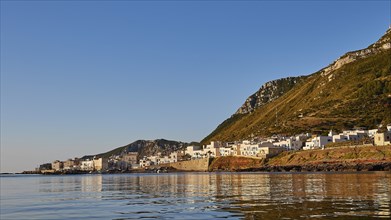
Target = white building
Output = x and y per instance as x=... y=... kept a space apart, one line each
x=318 y=142
x=145 y=162
x=309 y=145
x=267 y=152
x=339 y=138
x=87 y=165
x=195 y=152
x=262 y=149
x=163 y=160
x=372 y=132
x=226 y=151
x=283 y=143
x=382 y=139
x=266 y=144
x=355 y=135
x=100 y=164
x=173 y=157
x=212 y=149
x=156 y=160
x=289 y=144
x=247 y=149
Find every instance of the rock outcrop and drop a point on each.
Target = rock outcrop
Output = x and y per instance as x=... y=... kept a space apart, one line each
x=355 y=90
x=148 y=148
x=268 y=93
x=384 y=43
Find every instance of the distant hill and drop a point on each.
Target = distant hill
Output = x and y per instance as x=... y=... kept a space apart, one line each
x=147 y=148
x=355 y=90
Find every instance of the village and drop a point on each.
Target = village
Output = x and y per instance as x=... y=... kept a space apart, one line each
x=256 y=148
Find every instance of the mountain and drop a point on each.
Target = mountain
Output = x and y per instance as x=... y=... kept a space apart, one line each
x=147 y=148
x=354 y=90
x=268 y=93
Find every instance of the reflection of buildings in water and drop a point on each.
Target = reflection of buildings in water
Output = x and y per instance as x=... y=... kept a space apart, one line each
x=349 y=185
x=256 y=190
x=196 y=186
x=315 y=187
x=188 y=186
x=318 y=186
x=356 y=186
x=91 y=183
x=57 y=183
x=370 y=190
x=158 y=184
x=242 y=187
x=383 y=197
x=167 y=185
x=353 y=194
x=354 y=189
x=383 y=201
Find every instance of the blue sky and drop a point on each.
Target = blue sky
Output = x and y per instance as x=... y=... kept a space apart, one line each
x=84 y=77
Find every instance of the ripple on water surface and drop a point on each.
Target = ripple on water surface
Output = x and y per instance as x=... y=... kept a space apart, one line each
x=198 y=196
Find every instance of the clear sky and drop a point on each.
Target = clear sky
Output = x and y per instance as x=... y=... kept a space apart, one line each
x=84 y=77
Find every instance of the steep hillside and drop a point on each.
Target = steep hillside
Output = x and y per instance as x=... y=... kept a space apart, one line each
x=268 y=92
x=147 y=148
x=355 y=90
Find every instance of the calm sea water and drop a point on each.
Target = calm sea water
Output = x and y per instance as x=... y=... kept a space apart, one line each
x=198 y=196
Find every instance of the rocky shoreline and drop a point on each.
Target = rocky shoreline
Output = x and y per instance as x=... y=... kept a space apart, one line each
x=342 y=159
x=324 y=167
x=319 y=167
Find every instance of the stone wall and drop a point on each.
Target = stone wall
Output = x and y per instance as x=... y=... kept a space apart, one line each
x=192 y=165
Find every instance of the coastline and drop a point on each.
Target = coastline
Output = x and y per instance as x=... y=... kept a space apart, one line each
x=356 y=158
x=314 y=168
x=341 y=159
x=325 y=167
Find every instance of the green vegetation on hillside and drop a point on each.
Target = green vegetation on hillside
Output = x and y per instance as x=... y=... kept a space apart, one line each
x=356 y=94
x=269 y=92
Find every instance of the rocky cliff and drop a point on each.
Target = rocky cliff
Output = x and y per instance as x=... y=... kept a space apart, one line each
x=269 y=92
x=354 y=90
x=384 y=43
x=147 y=148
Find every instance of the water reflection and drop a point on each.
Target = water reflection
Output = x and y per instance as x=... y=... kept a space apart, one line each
x=259 y=195
x=205 y=196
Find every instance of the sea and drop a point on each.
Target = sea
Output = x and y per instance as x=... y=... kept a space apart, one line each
x=359 y=195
